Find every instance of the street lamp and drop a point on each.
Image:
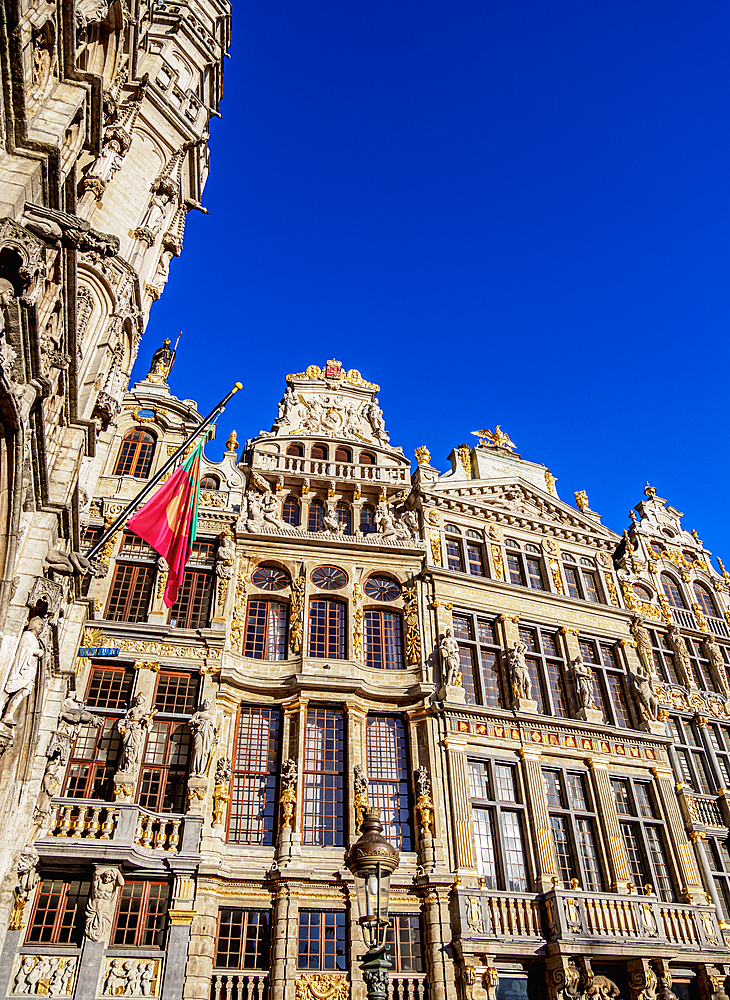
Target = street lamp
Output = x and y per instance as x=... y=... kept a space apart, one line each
x=372 y=860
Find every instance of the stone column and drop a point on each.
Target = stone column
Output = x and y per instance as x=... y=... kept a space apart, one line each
x=698 y=839
x=689 y=877
x=440 y=965
x=464 y=856
x=201 y=948
x=546 y=874
x=181 y=916
x=283 y=944
x=13 y=940
x=618 y=864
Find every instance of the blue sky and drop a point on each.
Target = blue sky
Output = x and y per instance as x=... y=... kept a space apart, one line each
x=502 y=212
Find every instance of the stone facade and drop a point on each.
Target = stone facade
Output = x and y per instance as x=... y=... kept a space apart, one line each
x=538 y=706
x=105 y=114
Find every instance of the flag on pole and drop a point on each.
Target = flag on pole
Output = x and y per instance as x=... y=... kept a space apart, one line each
x=169 y=521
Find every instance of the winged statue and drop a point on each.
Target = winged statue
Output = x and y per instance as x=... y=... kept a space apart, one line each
x=497 y=438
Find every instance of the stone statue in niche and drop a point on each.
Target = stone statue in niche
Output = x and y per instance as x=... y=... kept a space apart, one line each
x=583 y=677
x=133 y=728
x=519 y=672
x=202 y=726
x=226 y=556
x=451 y=662
x=22 y=676
x=155 y=214
x=102 y=904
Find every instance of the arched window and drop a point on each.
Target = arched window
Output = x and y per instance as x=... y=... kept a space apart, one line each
x=266 y=630
x=384 y=640
x=643 y=593
x=367 y=519
x=582 y=584
x=705 y=600
x=296 y=450
x=290 y=511
x=316 y=516
x=672 y=591
x=327 y=629
x=524 y=570
x=135 y=454
x=343 y=455
x=344 y=517
x=319 y=451
x=366 y=458
x=452 y=529
x=210 y=483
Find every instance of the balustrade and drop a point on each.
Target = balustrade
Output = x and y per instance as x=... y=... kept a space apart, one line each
x=92 y=822
x=719 y=627
x=407 y=986
x=684 y=618
x=249 y=985
x=157 y=832
x=708 y=811
x=514 y=916
x=338 y=470
x=124 y=823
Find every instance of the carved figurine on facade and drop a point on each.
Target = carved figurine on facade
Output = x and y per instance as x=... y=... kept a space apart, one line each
x=22 y=677
x=583 y=680
x=361 y=794
x=424 y=801
x=519 y=672
x=102 y=903
x=286 y=405
x=682 y=661
x=717 y=663
x=72 y=716
x=133 y=728
x=289 y=777
x=202 y=726
x=450 y=659
x=375 y=415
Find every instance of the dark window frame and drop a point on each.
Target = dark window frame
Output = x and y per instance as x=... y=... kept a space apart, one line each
x=572 y=815
x=388 y=776
x=323 y=778
x=405 y=935
x=321 y=961
x=495 y=808
x=259 y=639
x=142 y=926
x=607 y=680
x=384 y=645
x=251 y=921
x=136 y=454
x=327 y=628
x=255 y=777
x=477 y=656
x=541 y=660
x=639 y=824
x=66 y=925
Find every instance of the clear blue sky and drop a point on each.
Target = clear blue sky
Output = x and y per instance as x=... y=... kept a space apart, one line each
x=502 y=212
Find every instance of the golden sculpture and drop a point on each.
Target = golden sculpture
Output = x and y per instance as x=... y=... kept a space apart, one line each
x=322 y=986
x=581 y=500
x=550 y=481
x=423 y=455
x=496 y=438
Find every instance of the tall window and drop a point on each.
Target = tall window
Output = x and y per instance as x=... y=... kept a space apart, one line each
x=691 y=756
x=192 y=607
x=96 y=748
x=479 y=653
x=388 y=777
x=547 y=670
x=672 y=591
x=253 y=786
x=718 y=856
x=581 y=581
x=243 y=940
x=266 y=623
x=498 y=818
x=666 y=662
x=720 y=739
x=135 y=455
x=406 y=942
x=344 y=517
x=176 y=692
x=572 y=823
x=315 y=521
x=705 y=600
x=643 y=835
x=163 y=776
x=524 y=567
x=475 y=552
x=327 y=625
x=454 y=555
x=142 y=915
x=290 y=511
x=664 y=657
x=384 y=640
x=323 y=811
x=367 y=519
x=59 y=913
x=609 y=682
x=322 y=940
x=129 y=594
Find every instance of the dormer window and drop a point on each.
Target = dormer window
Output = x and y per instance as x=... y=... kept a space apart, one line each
x=210 y=483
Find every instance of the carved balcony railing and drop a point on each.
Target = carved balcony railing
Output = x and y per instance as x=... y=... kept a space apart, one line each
x=335 y=470
x=684 y=618
x=407 y=986
x=247 y=985
x=606 y=917
x=89 y=821
x=501 y=915
x=707 y=811
x=719 y=626
x=123 y=824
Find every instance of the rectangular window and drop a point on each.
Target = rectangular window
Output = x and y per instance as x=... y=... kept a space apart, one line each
x=453 y=555
x=130 y=593
x=479 y=653
x=253 y=786
x=323 y=811
x=476 y=559
x=643 y=835
x=534 y=574
x=514 y=566
x=547 y=671
x=609 y=681
x=266 y=628
x=591 y=585
x=322 y=940
x=244 y=939
x=162 y=779
x=192 y=607
x=109 y=687
x=691 y=756
x=384 y=640
x=59 y=913
x=498 y=836
x=176 y=693
x=327 y=624
x=141 y=915
x=388 y=777
x=571 y=580
x=406 y=944
x=92 y=762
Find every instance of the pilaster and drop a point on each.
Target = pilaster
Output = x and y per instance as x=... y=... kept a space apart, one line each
x=465 y=861
x=546 y=874
x=615 y=849
x=689 y=877
x=440 y=965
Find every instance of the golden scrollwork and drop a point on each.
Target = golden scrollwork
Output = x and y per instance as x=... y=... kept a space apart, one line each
x=16 y=917
x=239 y=612
x=105 y=552
x=423 y=455
x=464 y=455
x=153 y=665
x=322 y=986
x=210 y=498
x=334 y=373
x=435 y=538
x=498 y=560
x=167 y=649
x=222 y=592
x=425 y=809
x=413 y=634
x=220 y=797
x=357 y=619
x=296 y=632
x=611 y=587
x=557 y=578
x=161 y=583
x=700 y=617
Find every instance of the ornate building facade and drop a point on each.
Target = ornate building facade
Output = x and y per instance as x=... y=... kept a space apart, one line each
x=537 y=705
x=104 y=120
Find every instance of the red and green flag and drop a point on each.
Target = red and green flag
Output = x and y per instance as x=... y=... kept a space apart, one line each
x=169 y=521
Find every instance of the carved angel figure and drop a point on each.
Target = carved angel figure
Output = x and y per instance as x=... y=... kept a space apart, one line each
x=519 y=672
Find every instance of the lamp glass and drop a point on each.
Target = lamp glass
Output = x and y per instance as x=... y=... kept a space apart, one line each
x=372 y=886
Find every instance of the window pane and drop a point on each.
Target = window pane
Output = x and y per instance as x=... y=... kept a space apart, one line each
x=659 y=863
x=577 y=791
x=109 y=688
x=327 y=629
x=591 y=585
x=476 y=563
x=323 y=811
x=388 y=777
x=514 y=852
x=484 y=842
x=571 y=579
x=563 y=851
x=589 y=855
x=453 y=555
x=253 y=787
x=534 y=574
x=492 y=686
x=633 y=853
x=553 y=790
x=467 y=660
x=514 y=567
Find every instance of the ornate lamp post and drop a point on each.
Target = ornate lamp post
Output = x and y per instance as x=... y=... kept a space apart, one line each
x=372 y=860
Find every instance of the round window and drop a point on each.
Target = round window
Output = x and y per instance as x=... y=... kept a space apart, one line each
x=382 y=588
x=329 y=577
x=270 y=578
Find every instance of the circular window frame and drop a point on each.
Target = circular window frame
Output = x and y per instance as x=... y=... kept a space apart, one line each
x=328 y=582
x=283 y=574
x=387 y=580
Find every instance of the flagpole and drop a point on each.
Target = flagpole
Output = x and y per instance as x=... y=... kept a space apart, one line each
x=119 y=521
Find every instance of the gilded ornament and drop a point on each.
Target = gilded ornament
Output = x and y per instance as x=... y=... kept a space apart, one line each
x=498 y=561
x=360 y=801
x=322 y=986
x=296 y=631
x=161 y=583
x=232 y=442
x=105 y=552
x=700 y=617
x=433 y=518
x=581 y=500
x=153 y=665
x=279 y=484
x=435 y=539
x=495 y=439
x=357 y=626
x=305 y=487
x=222 y=593
x=464 y=455
x=611 y=588
x=334 y=374
x=557 y=579
x=423 y=455
x=413 y=635
x=16 y=917
x=550 y=481
x=357 y=492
